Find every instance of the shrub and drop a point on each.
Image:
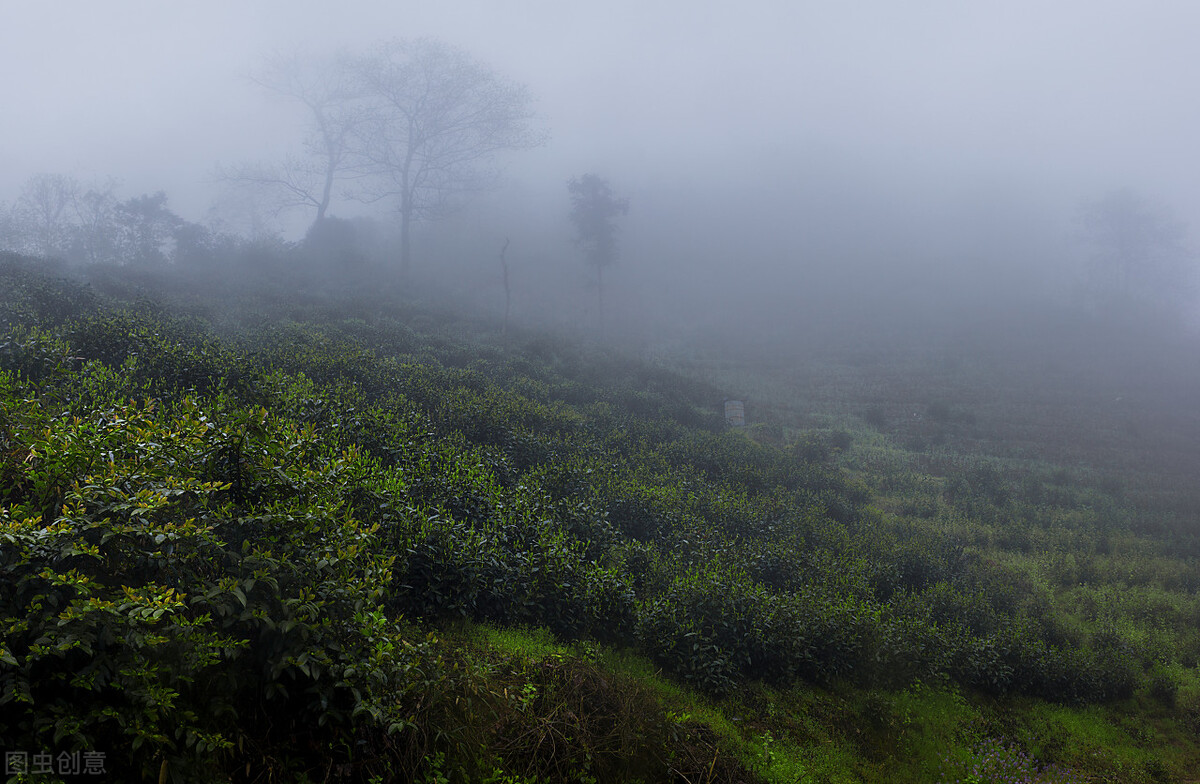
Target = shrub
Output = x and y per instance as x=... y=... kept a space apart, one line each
x=148 y=608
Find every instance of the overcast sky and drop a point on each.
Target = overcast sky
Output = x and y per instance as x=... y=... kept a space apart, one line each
x=1100 y=91
x=837 y=117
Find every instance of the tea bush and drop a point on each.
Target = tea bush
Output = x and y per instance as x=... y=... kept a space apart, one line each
x=243 y=539
x=150 y=605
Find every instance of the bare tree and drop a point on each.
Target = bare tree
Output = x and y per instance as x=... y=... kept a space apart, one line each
x=44 y=207
x=327 y=90
x=594 y=210
x=96 y=224
x=437 y=116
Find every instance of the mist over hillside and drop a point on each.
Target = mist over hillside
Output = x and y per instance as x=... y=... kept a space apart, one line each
x=807 y=174
x=924 y=188
x=363 y=375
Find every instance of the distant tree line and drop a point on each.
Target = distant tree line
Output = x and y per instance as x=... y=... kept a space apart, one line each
x=417 y=126
x=57 y=216
x=411 y=124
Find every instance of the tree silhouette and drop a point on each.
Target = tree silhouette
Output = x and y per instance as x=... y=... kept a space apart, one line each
x=436 y=117
x=594 y=210
x=326 y=87
x=44 y=207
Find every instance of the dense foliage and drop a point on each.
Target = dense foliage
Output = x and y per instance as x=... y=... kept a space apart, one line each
x=231 y=547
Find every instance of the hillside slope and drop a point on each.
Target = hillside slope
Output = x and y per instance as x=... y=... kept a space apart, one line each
x=351 y=539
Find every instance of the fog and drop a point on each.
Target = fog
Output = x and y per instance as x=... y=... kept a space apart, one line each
x=794 y=170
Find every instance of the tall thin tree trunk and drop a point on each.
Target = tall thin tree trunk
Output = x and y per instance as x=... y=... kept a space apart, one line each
x=407 y=194
x=507 y=290
x=326 y=194
x=405 y=240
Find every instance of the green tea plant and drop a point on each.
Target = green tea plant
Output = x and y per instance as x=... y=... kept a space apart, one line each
x=149 y=604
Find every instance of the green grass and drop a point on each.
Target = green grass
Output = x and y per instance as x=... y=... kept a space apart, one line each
x=525 y=643
x=1136 y=577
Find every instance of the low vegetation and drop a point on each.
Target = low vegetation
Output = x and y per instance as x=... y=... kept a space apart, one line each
x=277 y=543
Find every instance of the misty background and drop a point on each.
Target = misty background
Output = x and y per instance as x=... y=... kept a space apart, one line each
x=797 y=173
